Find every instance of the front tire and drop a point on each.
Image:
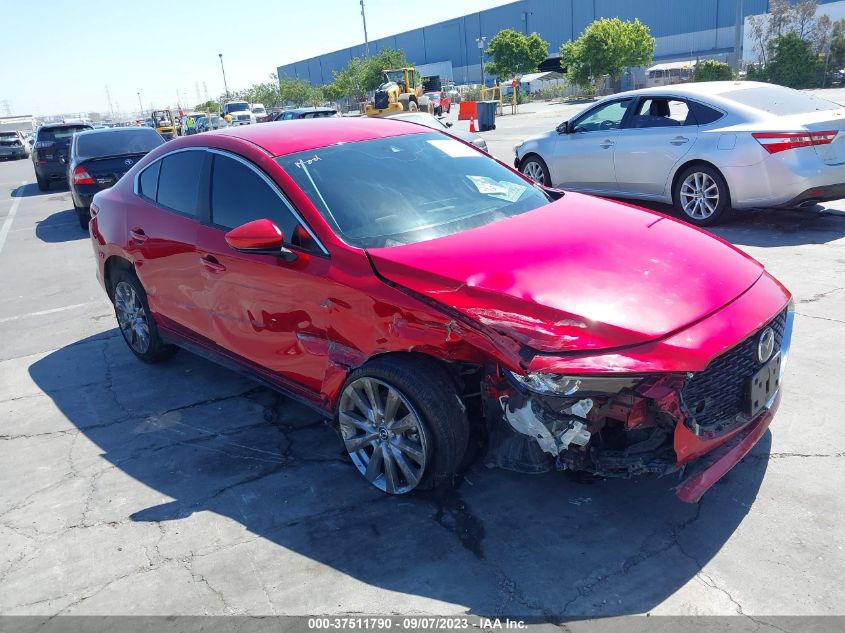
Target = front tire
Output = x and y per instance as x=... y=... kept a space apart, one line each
x=402 y=423
x=135 y=320
x=701 y=195
x=535 y=168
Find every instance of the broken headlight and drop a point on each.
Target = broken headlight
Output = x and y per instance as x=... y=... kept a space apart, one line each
x=563 y=385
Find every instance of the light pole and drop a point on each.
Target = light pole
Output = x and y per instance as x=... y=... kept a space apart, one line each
x=364 y=18
x=480 y=41
x=140 y=105
x=225 y=85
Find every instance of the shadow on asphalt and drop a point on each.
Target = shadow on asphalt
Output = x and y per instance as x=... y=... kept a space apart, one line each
x=498 y=544
x=62 y=226
x=772 y=227
x=31 y=190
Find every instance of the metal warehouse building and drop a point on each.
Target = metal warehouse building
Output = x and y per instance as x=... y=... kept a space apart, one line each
x=684 y=29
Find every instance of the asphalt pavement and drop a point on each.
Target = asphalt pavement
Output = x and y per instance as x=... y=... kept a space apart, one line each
x=183 y=488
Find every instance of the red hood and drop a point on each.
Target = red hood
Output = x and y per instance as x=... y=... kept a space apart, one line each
x=579 y=274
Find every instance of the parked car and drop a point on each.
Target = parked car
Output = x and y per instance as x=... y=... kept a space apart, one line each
x=49 y=154
x=424 y=118
x=400 y=281
x=305 y=113
x=217 y=123
x=259 y=112
x=438 y=102
x=240 y=113
x=13 y=145
x=704 y=147
x=99 y=158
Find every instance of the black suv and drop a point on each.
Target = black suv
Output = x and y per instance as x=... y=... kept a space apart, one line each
x=51 y=149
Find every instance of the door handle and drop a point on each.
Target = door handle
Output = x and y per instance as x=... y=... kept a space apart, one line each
x=607 y=143
x=210 y=262
x=138 y=236
x=679 y=140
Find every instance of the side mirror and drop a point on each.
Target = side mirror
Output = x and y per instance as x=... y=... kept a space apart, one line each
x=449 y=124
x=563 y=128
x=259 y=236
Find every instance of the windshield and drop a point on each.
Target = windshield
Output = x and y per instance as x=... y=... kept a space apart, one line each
x=396 y=76
x=259 y=110
x=407 y=189
x=780 y=101
x=236 y=106
x=60 y=133
x=117 y=142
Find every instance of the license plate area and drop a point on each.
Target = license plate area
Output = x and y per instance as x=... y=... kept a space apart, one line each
x=763 y=385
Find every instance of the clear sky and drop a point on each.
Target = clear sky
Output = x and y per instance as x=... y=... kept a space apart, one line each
x=59 y=55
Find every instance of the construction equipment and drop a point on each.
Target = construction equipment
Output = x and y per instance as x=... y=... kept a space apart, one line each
x=164 y=123
x=398 y=92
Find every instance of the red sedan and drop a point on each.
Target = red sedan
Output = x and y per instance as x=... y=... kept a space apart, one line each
x=416 y=291
x=438 y=102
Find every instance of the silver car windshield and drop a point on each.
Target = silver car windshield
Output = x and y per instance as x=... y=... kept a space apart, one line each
x=407 y=189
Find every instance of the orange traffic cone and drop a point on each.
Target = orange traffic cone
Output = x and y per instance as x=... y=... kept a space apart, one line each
x=472 y=124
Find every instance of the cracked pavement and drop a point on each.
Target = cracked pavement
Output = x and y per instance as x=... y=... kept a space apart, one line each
x=184 y=488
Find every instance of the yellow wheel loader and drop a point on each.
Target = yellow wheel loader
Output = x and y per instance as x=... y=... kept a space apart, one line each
x=398 y=92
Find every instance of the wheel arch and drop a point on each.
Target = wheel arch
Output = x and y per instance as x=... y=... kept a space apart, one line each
x=682 y=167
x=113 y=264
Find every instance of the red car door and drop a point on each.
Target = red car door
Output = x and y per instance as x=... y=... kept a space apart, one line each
x=163 y=232
x=264 y=309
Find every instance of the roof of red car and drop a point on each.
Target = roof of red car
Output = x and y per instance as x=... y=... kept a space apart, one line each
x=288 y=137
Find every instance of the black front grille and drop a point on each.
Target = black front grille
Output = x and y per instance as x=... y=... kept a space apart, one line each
x=717 y=395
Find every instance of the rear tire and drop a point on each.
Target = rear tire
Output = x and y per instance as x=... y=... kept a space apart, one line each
x=701 y=195
x=535 y=168
x=135 y=320
x=415 y=435
x=84 y=216
x=43 y=183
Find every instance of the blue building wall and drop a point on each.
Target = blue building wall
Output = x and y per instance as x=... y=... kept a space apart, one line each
x=682 y=28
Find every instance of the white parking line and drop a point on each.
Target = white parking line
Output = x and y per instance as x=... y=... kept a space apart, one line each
x=17 y=317
x=4 y=231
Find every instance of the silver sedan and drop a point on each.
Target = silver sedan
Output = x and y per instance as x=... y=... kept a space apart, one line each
x=705 y=147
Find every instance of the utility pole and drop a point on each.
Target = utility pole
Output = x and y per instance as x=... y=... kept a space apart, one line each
x=364 y=18
x=108 y=98
x=738 y=35
x=225 y=85
x=480 y=41
x=140 y=105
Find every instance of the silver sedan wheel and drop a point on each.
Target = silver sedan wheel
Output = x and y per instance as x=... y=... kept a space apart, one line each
x=131 y=317
x=699 y=195
x=534 y=170
x=383 y=434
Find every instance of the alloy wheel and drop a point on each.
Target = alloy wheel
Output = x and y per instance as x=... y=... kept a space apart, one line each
x=699 y=195
x=383 y=434
x=131 y=317
x=534 y=170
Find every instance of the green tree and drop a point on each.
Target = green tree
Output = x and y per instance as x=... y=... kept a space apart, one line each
x=837 y=47
x=349 y=82
x=515 y=54
x=363 y=74
x=374 y=66
x=208 y=106
x=298 y=92
x=712 y=70
x=792 y=63
x=607 y=47
x=332 y=92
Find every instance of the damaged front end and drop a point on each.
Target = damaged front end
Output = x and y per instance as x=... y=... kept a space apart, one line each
x=610 y=427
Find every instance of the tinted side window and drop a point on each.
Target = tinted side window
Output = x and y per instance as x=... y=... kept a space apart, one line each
x=178 y=183
x=148 y=182
x=239 y=195
x=704 y=114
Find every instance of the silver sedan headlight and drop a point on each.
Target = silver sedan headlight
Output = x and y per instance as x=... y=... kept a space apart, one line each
x=563 y=385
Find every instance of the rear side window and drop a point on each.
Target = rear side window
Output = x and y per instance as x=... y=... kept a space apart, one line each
x=178 y=182
x=239 y=195
x=148 y=182
x=704 y=114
